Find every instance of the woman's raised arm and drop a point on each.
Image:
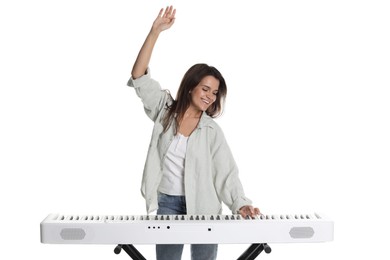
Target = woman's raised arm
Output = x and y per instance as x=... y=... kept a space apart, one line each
x=164 y=21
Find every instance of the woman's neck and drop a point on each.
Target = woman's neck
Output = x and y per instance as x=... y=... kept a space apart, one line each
x=192 y=113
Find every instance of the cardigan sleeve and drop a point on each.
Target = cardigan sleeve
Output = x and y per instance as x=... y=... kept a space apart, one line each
x=152 y=96
x=227 y=182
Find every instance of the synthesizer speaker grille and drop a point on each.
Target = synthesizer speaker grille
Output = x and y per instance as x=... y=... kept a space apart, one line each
x=72 y=234
x=301 y=232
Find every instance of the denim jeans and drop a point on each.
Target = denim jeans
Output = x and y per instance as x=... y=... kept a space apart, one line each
x=176 y=205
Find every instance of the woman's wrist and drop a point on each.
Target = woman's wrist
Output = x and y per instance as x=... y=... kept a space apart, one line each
x=155 y=31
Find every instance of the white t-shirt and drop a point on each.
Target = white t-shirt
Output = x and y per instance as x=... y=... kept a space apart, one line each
x=172 y=182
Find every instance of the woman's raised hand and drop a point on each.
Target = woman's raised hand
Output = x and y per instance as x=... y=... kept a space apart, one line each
x=165 y=19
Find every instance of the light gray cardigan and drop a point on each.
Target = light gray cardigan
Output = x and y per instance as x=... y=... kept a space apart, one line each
x=211 y=174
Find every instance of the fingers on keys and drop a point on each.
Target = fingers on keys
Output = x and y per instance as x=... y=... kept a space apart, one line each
x=249 y=212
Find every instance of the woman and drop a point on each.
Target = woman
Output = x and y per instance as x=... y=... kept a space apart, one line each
x=189 y=167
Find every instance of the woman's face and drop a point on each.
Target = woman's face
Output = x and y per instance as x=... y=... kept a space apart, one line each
x=205 y=93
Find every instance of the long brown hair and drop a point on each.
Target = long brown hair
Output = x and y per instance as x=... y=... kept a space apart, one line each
x=190 y=80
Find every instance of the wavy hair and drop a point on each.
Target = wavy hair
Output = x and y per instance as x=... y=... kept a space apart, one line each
x=191 y=79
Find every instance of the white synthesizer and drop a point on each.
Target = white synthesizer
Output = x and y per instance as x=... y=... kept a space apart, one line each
x=185 y=229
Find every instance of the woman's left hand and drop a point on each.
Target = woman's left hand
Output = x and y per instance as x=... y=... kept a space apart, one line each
x=249 y=211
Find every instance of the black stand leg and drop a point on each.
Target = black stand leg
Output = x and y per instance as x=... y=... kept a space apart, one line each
x=254 y=250
x=251 y=253
x=130 y=250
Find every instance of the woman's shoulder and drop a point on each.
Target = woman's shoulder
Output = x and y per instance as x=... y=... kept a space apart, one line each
x=209 y=123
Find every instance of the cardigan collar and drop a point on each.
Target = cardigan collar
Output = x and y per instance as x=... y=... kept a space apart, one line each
x=205 y=120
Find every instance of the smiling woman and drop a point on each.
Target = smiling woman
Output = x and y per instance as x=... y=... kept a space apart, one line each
x=189 y=167
x=204 y=94
x=203 y=89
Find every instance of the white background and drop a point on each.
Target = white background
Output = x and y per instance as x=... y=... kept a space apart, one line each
x=307 y=113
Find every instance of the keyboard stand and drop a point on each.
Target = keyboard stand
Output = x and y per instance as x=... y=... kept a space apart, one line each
x=251 y=253
x=254 y=250
x=130 y=250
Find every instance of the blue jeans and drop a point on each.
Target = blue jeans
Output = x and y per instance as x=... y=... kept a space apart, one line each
x=176 y=205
